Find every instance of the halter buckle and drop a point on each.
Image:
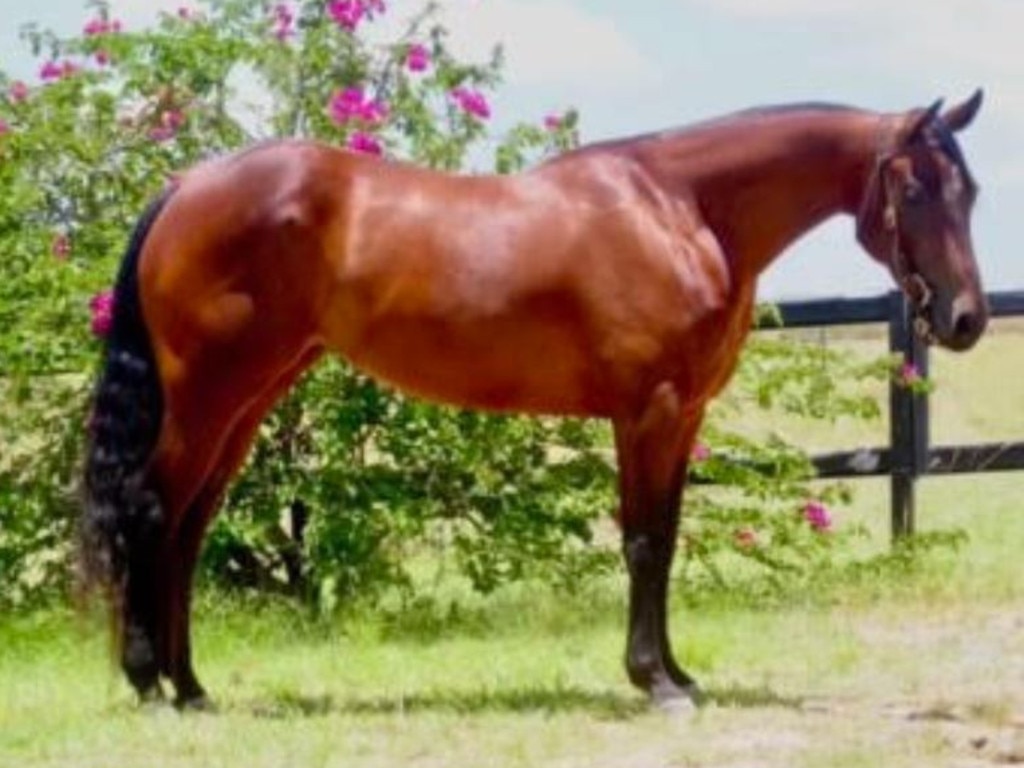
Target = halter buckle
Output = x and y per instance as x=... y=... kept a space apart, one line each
x=918 y=291
x=889 y=216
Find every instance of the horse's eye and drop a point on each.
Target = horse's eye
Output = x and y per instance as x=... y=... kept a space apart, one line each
x=913 y=192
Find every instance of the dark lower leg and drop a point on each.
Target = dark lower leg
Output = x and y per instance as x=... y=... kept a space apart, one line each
x=141 y=647
x=176 y=566
x=653 y=450
x=189 y=693
x=649 y=660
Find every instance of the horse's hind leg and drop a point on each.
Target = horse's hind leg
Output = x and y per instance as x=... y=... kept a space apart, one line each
x=233 y=288
x=141 y=650
x=186 y=545
x=653 y=449
x=180 y=463
x=204 y=397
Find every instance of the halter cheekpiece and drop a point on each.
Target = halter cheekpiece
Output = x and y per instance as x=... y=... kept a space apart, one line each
x=910 y=282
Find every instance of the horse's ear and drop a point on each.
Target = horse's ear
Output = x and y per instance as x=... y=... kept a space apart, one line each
x=959 y=117
x=920 y=120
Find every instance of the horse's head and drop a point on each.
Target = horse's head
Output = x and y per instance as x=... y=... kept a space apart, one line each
x=915 y=217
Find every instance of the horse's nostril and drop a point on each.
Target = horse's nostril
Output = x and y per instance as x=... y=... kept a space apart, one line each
x=965 y=325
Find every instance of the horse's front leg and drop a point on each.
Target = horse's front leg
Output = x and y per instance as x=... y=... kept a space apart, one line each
x=653 y=449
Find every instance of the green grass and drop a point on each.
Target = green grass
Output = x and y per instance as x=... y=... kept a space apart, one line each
x=897 y=674
x=923 y=670
x=795 y=686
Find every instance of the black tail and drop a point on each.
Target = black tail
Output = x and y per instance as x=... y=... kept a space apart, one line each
x=122 y=516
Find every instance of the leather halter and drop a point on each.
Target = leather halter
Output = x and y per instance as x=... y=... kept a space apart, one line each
x=914 y=287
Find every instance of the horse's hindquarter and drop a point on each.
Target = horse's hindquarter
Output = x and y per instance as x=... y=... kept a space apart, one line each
x=566 y=290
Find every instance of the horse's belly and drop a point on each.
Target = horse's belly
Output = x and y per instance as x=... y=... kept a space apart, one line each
x=490 y=365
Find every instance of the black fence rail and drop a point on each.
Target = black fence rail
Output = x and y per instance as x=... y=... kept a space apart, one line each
x=909 y=454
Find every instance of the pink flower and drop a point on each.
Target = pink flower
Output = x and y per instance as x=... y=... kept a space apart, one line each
x=553 y=122
x=95 y=27
x=472 y=102
x=102 y=308
x=817 y=516
x=184 y=13
x=170 y=123
x=417 y=59
x=102 y=57
x=51 y=70
x=346 y=104
x=18 y=92
x=60 y=247
x=745 y=538
x=352 y=104
x=700 y=452
x=99 y=26
x=346 y=13
x=374 y=111
x=284 y=19
x=909 y=374
x=173 y=119
x=364 y=142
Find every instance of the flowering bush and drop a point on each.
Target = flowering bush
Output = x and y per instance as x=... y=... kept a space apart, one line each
x=111 y=116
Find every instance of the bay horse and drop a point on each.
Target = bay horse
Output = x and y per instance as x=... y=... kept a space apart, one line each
x=615 y=281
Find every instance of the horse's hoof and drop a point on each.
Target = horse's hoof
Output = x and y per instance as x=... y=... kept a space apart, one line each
x=152 y=697
x=676 y=706
x=678 y=701
x=199 y=703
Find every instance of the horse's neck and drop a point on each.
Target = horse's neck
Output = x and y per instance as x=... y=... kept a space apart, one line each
x=761 y=182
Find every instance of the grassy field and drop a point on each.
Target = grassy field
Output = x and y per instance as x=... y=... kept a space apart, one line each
x=923 y=672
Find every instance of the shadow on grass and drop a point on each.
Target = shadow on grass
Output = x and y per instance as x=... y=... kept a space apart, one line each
x=610 y=705
x=742 y=697
x=284 y=704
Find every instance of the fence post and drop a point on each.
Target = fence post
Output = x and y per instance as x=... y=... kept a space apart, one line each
x=908 y=418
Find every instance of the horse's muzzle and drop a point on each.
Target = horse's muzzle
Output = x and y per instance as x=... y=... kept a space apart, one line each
x=957 y=325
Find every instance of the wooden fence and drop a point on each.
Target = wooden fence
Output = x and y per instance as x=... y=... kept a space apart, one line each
x=909 y=454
